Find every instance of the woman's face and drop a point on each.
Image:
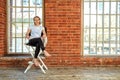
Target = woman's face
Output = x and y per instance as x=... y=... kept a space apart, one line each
x=37 y=21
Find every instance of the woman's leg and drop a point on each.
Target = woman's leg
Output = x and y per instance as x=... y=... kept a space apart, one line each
x=43 y=48
x=35 y=42
x=38 y=44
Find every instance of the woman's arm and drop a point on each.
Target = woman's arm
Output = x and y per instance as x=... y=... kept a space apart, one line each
x=28 y=33
x=44 y=33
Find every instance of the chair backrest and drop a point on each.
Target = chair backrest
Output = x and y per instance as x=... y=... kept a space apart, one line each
x=45 y=31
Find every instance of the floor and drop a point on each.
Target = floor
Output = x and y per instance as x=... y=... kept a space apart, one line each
x=81 y=73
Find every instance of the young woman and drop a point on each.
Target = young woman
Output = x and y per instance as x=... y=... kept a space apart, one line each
x=35 y=38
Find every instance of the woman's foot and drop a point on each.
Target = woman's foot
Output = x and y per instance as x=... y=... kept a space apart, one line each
x=36 y=62
x=46 y=53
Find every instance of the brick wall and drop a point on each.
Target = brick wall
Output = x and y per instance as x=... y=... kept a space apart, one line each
x=62 y=19
x=63 y=22
x=3 y=27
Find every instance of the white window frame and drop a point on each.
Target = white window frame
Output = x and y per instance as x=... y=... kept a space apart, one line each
x=101 y=28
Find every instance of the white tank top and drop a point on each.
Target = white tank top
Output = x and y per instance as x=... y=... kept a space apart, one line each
x=36 y=31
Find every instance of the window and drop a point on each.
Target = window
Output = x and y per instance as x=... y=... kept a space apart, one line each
x=101 y=27
x=20 y=17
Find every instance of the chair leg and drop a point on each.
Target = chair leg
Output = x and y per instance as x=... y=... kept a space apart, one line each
x=43 y=64
x=40 y=59
x=29 y=66
x=42 y=69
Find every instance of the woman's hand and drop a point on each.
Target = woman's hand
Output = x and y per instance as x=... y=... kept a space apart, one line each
x=44 y=36
x=27 y=36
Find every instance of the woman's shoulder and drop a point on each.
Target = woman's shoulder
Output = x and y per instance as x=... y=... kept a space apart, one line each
x=43 y=27
x=31 y=25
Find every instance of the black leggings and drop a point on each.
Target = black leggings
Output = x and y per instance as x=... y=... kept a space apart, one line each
x=37 y=42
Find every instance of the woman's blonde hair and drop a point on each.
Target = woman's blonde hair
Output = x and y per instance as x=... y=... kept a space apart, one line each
x=38 y=18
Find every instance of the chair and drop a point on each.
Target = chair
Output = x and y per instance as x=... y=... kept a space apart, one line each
x=31 y=50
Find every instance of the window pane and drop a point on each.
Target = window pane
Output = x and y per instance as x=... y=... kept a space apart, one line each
x=99 y=41
x=86 y=21
x=25 y=27
x=93 y=35
x=118 y=36
x=113 y=7
x=24 y=48
x=118 y=21
x=86 y=8
x=118 y=8
x=25 y=2
x=93 y=7
x=106 y=7
x=18 y=2
x=99 y=35
x=39 y=12
x=100 y=7
x=106 y=21
x=99 y=21
x=113 y=21
x=12 y=45
x=93 y=20
x=19 y=30
x=12 y=2
x=106 y=35
x=12 y=11
x=86 y=36
x=19 y=44
x=37 y=3
x=12 y=27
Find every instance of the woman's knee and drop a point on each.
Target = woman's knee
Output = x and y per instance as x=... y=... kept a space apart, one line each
x=37 y=45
